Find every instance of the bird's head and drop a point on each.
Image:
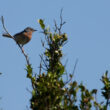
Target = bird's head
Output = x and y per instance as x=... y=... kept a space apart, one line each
x=29 y=29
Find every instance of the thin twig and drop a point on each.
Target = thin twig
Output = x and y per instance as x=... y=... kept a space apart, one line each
x=75 y=67
x=73 y=72
x=107 y=103
x=2 y=19
x=27 y=108
x=43 y=68
x=29 y=90
x=96 y=100
x=61 y=21
x=65 y=69
x=40 y=67
x=44 y=62
x=43 y=43
x=21 y=48
x=58 y=28
x=66 y=63
x=25 y=55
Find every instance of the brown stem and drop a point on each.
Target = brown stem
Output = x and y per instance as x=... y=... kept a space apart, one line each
x=58 y=28
x=107 y=103
x=72 y=73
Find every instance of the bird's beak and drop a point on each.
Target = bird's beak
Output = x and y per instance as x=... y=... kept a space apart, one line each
x=35 y=30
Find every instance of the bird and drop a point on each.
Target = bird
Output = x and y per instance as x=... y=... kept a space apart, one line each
x=22 y=37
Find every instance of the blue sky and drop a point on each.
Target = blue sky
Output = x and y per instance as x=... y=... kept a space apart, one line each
x=88 y=29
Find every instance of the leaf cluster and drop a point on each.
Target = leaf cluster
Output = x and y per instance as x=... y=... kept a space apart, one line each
x=50 y=92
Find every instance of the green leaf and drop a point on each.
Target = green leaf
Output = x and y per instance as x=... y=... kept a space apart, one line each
x=41 y=22
x=29 y=69
x=94 y=91
x=33 y=93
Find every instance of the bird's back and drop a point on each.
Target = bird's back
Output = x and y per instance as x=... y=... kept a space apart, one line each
x=23 y=37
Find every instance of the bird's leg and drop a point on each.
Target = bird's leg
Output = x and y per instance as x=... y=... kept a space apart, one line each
x=22 y=48
x=26 y=56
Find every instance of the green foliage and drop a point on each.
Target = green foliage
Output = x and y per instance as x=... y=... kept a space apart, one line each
x=106 y=89
x=86 y=97
x=50 y=92
x=29 y=71
x=41 y=22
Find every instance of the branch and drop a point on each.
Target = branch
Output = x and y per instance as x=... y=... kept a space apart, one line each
x=58 y=28
x=21 y=48
x=44 y=62
x=107 y=103
x=75 y=67
x=73 y=72
x=2 y=19
x=40 y=67
x=61 y=21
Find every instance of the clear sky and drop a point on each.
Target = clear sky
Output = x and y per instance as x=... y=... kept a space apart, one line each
x=88 y=29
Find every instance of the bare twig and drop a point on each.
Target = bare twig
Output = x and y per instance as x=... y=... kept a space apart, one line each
x=21 y=48
x=61 y=21
x=2 y=19
x=44 y=62
x=43 y=43
x=76 y=62
x=107 y=103
x=58 y=28
x=43 y=68
x=96 y=101
x=73 y=72
x=40 y=67
x=65 y=69
x=29 y=90
x=66 y=63
x=27 y=108
x=25 y=55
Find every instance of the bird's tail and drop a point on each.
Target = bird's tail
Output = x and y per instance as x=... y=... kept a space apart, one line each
x=7 y=35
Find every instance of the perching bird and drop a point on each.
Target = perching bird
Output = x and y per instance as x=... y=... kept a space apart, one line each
x=22 y=37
